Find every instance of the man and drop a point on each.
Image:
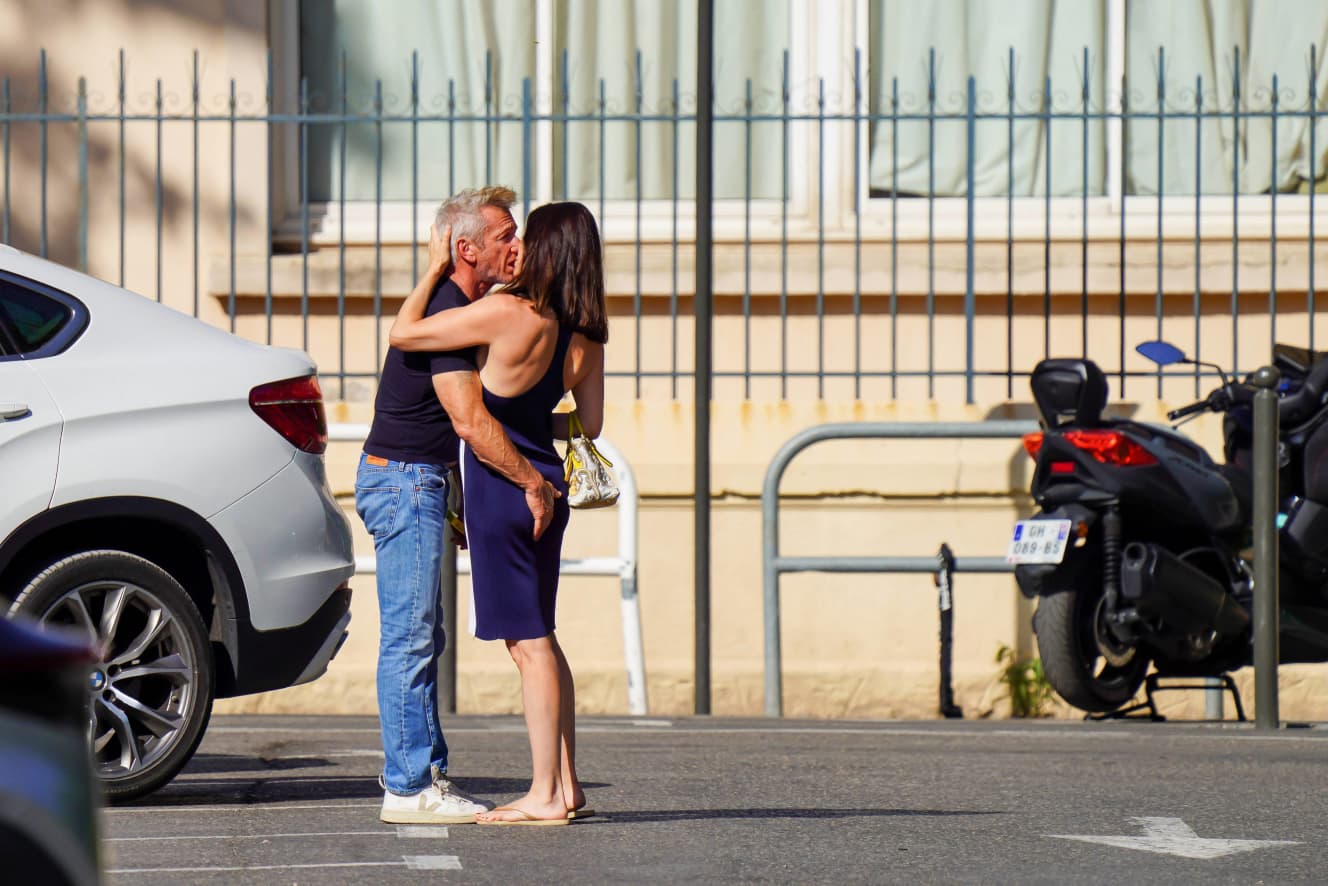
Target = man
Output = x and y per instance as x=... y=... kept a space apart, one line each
x=425 y=402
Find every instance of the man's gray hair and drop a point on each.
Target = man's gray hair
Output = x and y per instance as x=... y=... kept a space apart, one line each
x=462 y=212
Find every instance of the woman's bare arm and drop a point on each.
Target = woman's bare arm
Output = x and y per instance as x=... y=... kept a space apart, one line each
x=588 y=391
x=474 y=324
x=478 y=323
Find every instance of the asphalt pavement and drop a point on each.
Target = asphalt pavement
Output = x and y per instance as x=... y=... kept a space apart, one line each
x=294 y=799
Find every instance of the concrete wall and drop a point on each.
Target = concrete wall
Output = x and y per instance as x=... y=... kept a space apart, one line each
x=853 y=646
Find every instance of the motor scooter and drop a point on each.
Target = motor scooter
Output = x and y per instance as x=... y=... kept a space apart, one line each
x=1138 y=553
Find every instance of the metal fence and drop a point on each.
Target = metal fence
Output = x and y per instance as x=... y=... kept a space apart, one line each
x=833 y=280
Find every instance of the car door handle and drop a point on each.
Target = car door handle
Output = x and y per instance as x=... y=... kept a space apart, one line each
x=13 y=410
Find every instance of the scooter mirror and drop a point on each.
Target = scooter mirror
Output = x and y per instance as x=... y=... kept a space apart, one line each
x=1160 y=352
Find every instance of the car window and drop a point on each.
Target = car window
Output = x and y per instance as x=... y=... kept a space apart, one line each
x=31 y=318
x=37 y=321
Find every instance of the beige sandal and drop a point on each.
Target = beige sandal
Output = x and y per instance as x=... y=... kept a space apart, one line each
x=525 y=819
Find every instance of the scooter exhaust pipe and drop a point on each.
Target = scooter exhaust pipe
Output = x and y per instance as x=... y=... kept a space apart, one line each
x=1160 y=584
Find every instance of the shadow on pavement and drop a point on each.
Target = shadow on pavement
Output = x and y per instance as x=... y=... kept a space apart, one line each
x=259 y=787
x=202 y=763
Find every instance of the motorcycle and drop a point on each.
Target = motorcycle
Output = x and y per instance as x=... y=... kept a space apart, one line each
x=1138 y=553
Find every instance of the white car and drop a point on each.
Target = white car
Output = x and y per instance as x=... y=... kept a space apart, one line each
x=164 y=492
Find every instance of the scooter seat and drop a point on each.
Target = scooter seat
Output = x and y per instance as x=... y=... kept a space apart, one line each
x=1298 y=407
x=1294 y=359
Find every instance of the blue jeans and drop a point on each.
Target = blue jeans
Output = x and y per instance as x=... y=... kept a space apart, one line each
x=404 y=507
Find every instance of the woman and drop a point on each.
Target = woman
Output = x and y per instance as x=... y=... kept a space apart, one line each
x=539 y=337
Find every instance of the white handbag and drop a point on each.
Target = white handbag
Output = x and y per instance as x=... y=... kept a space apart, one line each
x=590 y=483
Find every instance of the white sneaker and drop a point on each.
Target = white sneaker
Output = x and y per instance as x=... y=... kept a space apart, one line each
x=439 y=803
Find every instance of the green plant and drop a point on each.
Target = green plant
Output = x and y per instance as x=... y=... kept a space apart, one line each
x=1025 y=683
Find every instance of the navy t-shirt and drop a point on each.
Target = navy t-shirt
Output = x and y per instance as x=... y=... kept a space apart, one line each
x=409 y=423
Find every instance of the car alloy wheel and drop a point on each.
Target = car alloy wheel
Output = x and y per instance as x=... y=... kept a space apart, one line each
x=151 y=688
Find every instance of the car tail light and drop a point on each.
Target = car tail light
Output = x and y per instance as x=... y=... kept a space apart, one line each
x=1033 y=444
x=1111 y=448
x=294 y=409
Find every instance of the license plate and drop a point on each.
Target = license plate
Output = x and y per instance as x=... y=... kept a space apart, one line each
x=1038 y=541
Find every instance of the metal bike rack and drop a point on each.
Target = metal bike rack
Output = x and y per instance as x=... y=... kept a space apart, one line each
x=623 y=566
x=773 y=564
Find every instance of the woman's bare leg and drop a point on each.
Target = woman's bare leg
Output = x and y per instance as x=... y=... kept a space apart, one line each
x=572 y=792
x=541 y=698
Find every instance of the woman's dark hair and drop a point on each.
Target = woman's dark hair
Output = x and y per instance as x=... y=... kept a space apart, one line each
x=564 y=268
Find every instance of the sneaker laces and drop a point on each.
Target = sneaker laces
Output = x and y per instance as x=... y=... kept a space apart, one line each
x=447 y=788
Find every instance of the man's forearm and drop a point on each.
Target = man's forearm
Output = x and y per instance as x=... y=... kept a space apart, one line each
x=491 y=445
x=487 y=439
x=462 y=396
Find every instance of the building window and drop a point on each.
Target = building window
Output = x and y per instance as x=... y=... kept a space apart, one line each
x=1219 y=60
x=818 y=106
x=1198 y=113
x=922 y=55
x=574 y=99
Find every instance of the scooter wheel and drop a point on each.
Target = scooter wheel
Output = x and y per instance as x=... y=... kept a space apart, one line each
x=1067 y=626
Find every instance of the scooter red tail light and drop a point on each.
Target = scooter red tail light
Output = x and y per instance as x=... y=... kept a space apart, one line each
x=1033 y=444
x=1111 y=448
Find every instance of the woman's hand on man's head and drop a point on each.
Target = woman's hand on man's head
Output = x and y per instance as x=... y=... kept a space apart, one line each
x=440 y=248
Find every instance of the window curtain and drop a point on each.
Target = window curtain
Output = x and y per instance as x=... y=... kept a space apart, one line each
x=974 y=38
x=1201 y=39
x=601 y=38
x=468 y=43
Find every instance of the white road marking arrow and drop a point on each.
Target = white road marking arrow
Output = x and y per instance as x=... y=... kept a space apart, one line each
x=1171 y=836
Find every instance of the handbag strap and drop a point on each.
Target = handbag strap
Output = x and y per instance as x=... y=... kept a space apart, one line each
x=576 y=429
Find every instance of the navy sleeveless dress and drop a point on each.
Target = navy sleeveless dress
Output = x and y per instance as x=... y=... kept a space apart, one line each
x=513 y=578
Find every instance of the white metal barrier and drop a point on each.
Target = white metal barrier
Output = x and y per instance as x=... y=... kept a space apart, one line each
x=623 y=565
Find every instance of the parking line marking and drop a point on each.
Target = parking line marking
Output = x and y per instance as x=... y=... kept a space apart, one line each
x=271 y=867
x=425 y=831
x=382 y=833
x=432 y=862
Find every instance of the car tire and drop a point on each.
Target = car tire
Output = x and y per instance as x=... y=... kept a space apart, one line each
x=153 y=684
